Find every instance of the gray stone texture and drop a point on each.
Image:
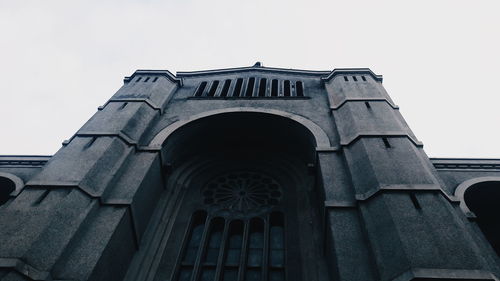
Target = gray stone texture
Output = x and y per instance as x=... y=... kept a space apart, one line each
x=105 y=205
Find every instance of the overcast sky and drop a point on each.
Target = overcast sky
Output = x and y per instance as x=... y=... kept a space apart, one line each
x=60 y=60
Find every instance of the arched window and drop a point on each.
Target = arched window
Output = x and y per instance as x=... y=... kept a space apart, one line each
x=240 y=233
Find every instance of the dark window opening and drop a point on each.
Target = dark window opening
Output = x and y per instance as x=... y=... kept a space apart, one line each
x=346 y=79
x=201 y=89
x=147 y=79
x=414 y=200
x=233 y=252
x=213 y=88
x=364 y=78
x=300 y=89
x=123 y=105
x=287 y=92
x=355 y=79
x=237 y=88
x=154 y=80
x=191 y=247
x=274 y=88
x=386 y=142
x=90 y=143
x=41 y=198
x=225 y=88
x=225 y=250
x=138 y=79
x=482 y=199
x=254 y=87
x=277 y=247
x=251 y=83
x=367 y=104
x=262 y=87
x=6 y=187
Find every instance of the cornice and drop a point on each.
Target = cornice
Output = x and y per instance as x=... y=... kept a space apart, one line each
x=351 y=71
x=466 y=163
x=252 y=68
x=164 y=73
x=23 y=161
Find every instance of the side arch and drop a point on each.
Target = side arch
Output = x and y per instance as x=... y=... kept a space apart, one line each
x=462 y=188
x=321 y=138
x=10 y=185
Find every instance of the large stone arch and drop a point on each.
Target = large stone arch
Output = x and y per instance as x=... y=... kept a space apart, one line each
x=192 y=160
x=321 y=138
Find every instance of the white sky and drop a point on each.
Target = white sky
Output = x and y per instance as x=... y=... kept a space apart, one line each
x=440 y=59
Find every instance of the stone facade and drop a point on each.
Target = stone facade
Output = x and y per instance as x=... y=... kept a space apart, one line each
x=249 y=173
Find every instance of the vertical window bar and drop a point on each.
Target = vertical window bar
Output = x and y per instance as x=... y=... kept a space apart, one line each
x=286 y=91
x=222 y=253
x=201 y=252
x=225 y=88
x=255 y=250
x=262 y=87
x=265 y=254
x=250 y=86
x=244 y=250
x=213 y=245
x=201 y=89
x=213 y=88
x=274 y=88
x=190 y=247
x=233 y=252
x=237 y=88
x=300 y=89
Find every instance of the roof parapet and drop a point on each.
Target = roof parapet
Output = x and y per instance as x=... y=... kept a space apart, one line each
x=164 y=73
x=256 y=67
x=351 y=71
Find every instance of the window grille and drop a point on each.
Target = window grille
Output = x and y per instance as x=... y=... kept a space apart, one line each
x=253 y=88
x=239 y=236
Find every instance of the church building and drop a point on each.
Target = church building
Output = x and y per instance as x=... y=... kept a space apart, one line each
x=248 y=174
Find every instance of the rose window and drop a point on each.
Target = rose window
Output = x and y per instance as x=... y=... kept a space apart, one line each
x=242 y=192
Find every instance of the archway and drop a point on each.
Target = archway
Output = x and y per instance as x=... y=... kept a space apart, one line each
x=480 y=199
x=243 y=199
x=8 y=184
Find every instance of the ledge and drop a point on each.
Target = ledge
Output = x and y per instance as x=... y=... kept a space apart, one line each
x=23 y=161
x=147 y=101
x=252 y=68
x=164 y=73
x=351 y=71
x=466 y=163
x=438 y=274
x=336 y=107
x=360 y=135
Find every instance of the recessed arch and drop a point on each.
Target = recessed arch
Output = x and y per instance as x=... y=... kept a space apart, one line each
x=9 y=184
x=479 y=199
x=220 y=157
x=464 y=186
x=320 y=137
